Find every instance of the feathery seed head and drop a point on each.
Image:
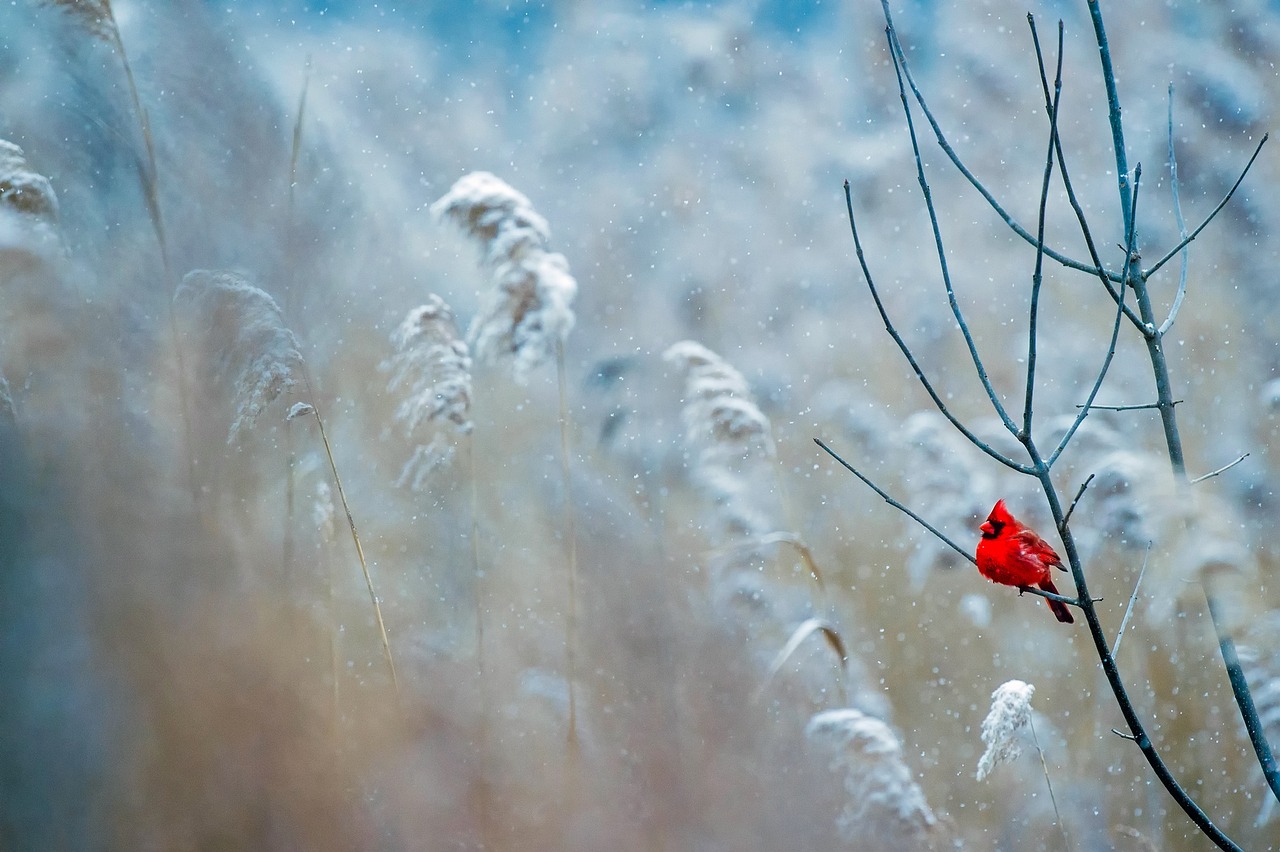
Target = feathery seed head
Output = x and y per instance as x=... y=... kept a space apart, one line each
x=882 y=796
x=6 y=401
x=240 y=329
x=1010 y=713
x=95 y=16
x=432 y=368
x=726 y=435
x=530 y=310
x=495 y=214
x=23 y=190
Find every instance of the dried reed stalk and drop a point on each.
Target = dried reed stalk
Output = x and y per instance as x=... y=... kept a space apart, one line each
x=525 y=321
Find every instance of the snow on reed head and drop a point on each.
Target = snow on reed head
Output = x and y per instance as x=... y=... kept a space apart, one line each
x=93 y=15
x=240 y=329
x=23 y=190
x=7 y=413
x=432 y=368
x=885 y=807
x=725 y=432
x=28 y=207
x=1009 y=716
x=530 y=310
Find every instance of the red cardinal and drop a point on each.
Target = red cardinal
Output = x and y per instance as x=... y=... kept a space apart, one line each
x=1014 y=555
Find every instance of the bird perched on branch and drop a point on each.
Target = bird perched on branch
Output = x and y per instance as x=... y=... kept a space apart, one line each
x=1012 y=554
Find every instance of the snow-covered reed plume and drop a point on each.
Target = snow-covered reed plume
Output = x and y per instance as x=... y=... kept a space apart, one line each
x=530 y=310
x=94 y=16
x=28 y=205
x=431 y=368
x=727 y=437
x=1006 y=723
x=884 y=808
x=23 y=190
x=252 y=354
x=6 y=401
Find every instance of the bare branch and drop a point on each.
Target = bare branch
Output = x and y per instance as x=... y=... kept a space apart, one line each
x=941 y=251
x=906 y=350
x=1037 y=278
x=1165 y=395
x=1138 y=407
x=1244 y=698
x=962 y=168
x=1223 y=203
x=1066 y=519
x=1182 y=225
x=1032 y=590
x=1222 y=469
x=897 y=505
x=1097 y=269
x=1111 y=346
x=1133 y=598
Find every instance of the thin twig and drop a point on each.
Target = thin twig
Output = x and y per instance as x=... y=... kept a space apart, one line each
x=1182 y=225
x=1118 y=295
x=1049 y=596
x=1133 y=599
x=1115 y=333
x=1066 y=519
x=959 y=163
x=1104 y=276
x=1223 y=203
x=906 y=350
x=1164 y=393
x=897 y=505
x=1222 y=469
x=1037 y=277
x=942 y=254
x=1138 y=407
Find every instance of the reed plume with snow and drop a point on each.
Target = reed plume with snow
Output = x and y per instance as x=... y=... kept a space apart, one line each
x=239 y=327
x=728 y=438
x=431 y=368
x=885 y=807
x=530 y=310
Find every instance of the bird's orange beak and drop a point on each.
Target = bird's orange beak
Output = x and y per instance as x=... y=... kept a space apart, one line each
x=987 y=529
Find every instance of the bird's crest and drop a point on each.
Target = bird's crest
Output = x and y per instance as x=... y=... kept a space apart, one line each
x=1000 y=513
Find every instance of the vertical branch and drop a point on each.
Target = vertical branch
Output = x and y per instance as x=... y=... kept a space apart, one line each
x=906 y=350
x=1244 y=698
x=894 y=51
x=1168 y=415
x=1153 y=336
x=1182 y=226
x=1113 y=113
x=1037 y=278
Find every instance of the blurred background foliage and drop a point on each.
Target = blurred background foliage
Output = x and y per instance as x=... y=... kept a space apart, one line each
x=177 y=677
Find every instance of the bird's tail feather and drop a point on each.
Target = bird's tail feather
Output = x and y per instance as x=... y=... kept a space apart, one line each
x=1060 y=610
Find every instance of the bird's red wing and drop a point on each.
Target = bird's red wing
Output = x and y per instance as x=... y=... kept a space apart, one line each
x=1034 y=546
